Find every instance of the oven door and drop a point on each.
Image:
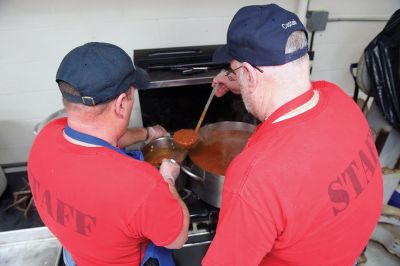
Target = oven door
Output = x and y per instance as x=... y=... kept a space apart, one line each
x=193 y=252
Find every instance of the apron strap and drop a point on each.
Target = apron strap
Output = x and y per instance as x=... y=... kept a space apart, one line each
x=76 y=135
x=157 y=256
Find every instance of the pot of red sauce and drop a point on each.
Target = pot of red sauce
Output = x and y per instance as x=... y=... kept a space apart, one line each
x=218 y=144
x=158 y=149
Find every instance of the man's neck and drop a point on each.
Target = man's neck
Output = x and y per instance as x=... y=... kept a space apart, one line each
x=300 y=109
x=100 y=131
x=281 y=95
x=284 y=83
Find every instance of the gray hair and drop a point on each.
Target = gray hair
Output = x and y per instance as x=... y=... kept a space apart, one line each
x=296 y=41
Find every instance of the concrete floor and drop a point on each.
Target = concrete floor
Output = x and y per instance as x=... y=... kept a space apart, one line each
x=39 y=247
x=378 y=256
x=34 y=247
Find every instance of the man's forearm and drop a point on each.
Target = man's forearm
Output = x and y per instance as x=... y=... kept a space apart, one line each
x=132 y=136
x=175 y=193
x=182 y=238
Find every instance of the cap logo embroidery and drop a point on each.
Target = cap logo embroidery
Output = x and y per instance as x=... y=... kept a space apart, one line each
x=289 y=24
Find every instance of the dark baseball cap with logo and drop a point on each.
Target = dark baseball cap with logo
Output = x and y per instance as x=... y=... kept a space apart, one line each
x=100 y=72
x=258 y=35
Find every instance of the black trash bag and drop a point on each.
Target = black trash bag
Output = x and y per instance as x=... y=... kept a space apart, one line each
x=382 y=57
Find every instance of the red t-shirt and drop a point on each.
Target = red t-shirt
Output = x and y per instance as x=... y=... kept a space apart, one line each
x=304 y=191
x=99 y=203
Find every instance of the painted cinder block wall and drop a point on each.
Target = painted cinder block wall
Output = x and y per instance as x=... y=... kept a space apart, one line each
x=35 y=35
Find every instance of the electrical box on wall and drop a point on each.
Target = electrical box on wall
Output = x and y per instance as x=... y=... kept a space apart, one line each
x=317 y=20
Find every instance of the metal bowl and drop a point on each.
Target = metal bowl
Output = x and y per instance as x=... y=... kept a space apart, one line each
x=162 y=144
x=153 y=148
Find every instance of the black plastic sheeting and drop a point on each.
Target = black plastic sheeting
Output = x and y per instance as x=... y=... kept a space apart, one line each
x=382 y=57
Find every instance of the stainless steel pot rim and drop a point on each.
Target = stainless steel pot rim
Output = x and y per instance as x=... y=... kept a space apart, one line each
x=200 y=173
x=165 y=142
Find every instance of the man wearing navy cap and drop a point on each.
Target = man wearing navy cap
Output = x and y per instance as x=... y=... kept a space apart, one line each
x=103 y=205
x=307 y=188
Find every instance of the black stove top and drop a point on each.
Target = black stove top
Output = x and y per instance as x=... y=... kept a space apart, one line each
x=202 y=227
x=203 y=217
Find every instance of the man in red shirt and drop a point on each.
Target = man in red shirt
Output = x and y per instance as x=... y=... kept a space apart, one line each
x=307 y=188
x=103 y=205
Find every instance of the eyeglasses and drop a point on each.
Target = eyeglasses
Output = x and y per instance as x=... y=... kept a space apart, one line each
x=232 y=71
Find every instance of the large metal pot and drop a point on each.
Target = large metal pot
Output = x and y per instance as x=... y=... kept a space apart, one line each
x=207 y=183
x=164 y=147
x=57 y=114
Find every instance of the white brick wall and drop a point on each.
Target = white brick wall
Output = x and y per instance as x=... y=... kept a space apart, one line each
x=35 y=35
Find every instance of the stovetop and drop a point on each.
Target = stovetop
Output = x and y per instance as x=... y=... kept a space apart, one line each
x=203 y=217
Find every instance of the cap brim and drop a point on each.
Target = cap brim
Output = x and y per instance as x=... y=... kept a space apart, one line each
x=142 y=79
x=222 y=55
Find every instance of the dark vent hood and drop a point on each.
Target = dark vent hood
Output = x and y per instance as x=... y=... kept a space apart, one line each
x=178 y=66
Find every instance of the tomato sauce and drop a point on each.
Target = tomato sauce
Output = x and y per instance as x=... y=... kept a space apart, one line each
x=185 y=138
x=156 y=156
x=216 y=152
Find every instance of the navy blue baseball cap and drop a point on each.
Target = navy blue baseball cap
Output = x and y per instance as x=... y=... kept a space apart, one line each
x=99 y=72
x=258 y=35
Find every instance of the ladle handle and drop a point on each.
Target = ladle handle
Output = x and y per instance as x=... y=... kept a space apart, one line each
x=192 y=175
x=206 y=108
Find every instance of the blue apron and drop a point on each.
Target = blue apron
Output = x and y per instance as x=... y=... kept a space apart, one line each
x=162 y=255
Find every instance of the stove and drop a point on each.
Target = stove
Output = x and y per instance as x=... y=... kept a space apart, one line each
x=202 y=227
x=180 y=86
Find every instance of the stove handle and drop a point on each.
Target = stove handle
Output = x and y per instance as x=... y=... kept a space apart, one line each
x=182 y=52
x=194 y=176
x=196 y=244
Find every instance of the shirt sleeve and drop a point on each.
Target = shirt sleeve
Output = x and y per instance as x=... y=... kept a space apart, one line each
x=160 y=217
x=244 y=235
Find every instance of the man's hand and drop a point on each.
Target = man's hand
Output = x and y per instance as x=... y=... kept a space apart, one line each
x=225 y=84
x=169 y=170
x=135 y=135
x=156 y=132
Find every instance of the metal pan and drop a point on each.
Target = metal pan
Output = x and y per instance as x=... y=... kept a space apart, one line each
x=218 y=143
x=164 y=147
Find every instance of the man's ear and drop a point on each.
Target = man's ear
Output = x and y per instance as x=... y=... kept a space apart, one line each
x=121 y=104
x=251 y=77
